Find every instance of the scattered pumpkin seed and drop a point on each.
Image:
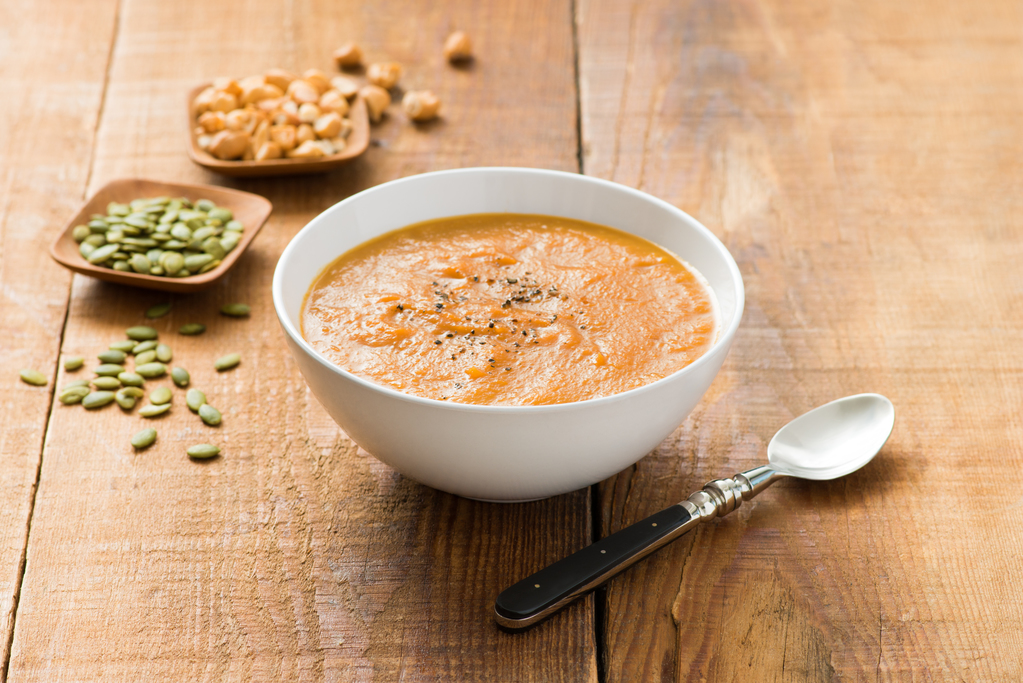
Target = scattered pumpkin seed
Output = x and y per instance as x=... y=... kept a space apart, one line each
x=112 y=356
x=202 y=451
x=72 y=363
x=76 y=383
x=209 y=414
x=141 y=333
x=144 y=439
x=160 y=396
x=126 y=345
x=227 y=362
x=145 y=357
x=236 y=310
x=29 y=376
x=124 y=400
x=107 y=383
x=192 y=329
x=131 y=379
x=134 y=392
x=158 y=311
x=180 y=376
x=195 y=399
x=144 y=346
x=108 y=370
x=73 y=395
x=97 y=399
x=164 y=353
x=151 y=370
x=152 y=410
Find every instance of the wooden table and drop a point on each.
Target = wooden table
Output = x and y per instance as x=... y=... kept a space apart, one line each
x=862 y=162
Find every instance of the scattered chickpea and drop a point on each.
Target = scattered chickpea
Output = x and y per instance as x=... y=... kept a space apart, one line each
x=377 y=100
x=458 y=47
x=384 y=74
x=348 y=55
x=420 y=105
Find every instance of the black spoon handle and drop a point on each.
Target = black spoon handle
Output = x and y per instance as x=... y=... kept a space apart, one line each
x=547 y=591
x=537 y=597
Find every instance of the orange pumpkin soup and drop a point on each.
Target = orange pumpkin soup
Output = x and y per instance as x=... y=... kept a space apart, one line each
x=509 y=309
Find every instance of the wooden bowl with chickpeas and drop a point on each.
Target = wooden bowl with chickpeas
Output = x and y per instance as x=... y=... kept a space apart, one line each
x=276 y=123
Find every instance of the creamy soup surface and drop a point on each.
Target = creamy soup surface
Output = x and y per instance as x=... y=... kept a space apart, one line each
x=509 y=309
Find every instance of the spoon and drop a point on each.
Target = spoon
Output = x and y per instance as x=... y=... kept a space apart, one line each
x=828 y=442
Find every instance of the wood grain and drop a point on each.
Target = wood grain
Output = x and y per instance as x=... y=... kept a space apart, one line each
x=294 y=556
x=862 y=163
x=54 y=92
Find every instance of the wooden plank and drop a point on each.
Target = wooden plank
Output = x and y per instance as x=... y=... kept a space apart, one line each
x=54 y=91
x=861 y=162
x=295 y=556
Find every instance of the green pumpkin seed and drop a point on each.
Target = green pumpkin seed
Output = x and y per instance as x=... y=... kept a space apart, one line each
x=234 y=225
x=140 y=264
x=227 y=362
x=34 y=377
x=103 y=253
x=164 y=353
x=96 y=240
x=221 y=214
x=205 y=205
x=160 y=396
x=145 y=357
x=209 y=414
x=153 y=410
x=202 y=451
x=97 y=399
x=158 y=311
x=154 y=257
x=228 y=243
x=73 y=395
x=121 y=266
x=209 y=266
x=72 y=363
x=80 y=232
x=192 y=329
x=151 y=370
x=141 y=333
x=236 y=310
x=125 y=345
x=144 y=439
x=85 y=249
x=195 y=399
x=134 y=392
x=173 y=262
x=156 y=270
x=195 y=262
x=107 y=383
x=131 y=379
x=144 y=346
x=180 y=376
x=76 y=383
x=108 y=370
x=112 y=356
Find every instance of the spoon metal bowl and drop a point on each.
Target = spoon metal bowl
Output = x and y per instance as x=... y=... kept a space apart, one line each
x=828 y=442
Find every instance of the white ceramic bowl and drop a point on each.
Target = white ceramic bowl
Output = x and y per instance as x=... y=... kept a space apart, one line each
x=504 y=453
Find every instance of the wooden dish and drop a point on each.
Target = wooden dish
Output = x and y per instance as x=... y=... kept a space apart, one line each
x=251 y=209
x=358 y=141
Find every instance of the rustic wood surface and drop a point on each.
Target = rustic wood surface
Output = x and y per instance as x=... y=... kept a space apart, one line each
x=862 y=163
x=860 y=160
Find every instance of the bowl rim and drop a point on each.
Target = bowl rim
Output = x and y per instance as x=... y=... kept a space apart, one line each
x=721 y=344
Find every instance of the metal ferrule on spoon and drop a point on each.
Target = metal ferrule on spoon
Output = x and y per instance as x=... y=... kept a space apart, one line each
x=538 y=596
